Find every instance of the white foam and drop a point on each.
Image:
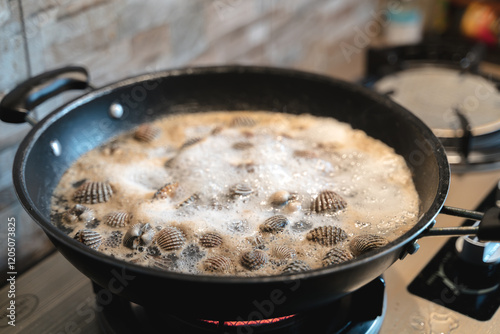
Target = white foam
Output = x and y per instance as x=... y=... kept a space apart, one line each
x=373 y=180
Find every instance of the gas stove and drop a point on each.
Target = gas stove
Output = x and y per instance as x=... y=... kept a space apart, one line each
x=426 y=292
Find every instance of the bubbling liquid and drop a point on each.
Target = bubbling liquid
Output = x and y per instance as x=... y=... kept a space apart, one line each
x=237 y=193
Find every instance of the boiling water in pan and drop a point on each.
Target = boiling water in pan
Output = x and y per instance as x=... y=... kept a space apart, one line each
x=243 y=168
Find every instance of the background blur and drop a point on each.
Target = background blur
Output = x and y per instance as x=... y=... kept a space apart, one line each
x=117 y=39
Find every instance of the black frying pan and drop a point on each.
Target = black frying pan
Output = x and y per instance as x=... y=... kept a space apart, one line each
x=68 y=132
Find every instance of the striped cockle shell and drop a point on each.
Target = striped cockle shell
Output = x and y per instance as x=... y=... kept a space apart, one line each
x=147 y=235
x=216 y=130
x=170 y=162
x=161 y=263
x=79 y=212
x=305 y=154
x=275 y=224
x=328 y=202
x=242 y=145
x=168 y=262
x=336 y=256
x=141 y=258
x=283 y=253
x=241 y=190
x=254 y=260
x=188 y=201
x=210 y=240
x=118 y=219
x=296 y=266
x=363 y=243
x=111 y=148
x=218 y=263
x=191 y=142
x=93 y=192
x=327 y=235
x=249 y=166
x=90 y=238
x=138 y=235
x=170 y=238
x=240 y=121
x=147 y=133
x=167 y=191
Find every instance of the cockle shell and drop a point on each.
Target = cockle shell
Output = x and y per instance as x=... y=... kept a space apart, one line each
x=296 y=266
x=188 y=201
x=131 y=238
x=275 y=224
x=254 y=260
x=240 y=121
x=168 y=190
x=216 y=130
x=283 y=253
x=305 y=154
x=191 y=142
x=336 y=255
x=218 y=263
x=147 y=133
x=327 y=235
x=210 y=240
x=147 y=235
x=170 y=238
x=363 y=243
x=90 y=238
x=141 y=258
x=241 y=190
x=111 y=148
x=242 y=145
x=328 y=201
x=170 y=162
x=249 y=166
x=93 y=192
x=118 y=219
x=168 y=262
x=79 y=212
x=138 y=235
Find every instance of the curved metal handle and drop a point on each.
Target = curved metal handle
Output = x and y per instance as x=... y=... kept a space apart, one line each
x=17 y=104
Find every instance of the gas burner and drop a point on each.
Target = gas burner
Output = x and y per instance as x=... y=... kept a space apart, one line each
x=442 y=85
x=361 y=311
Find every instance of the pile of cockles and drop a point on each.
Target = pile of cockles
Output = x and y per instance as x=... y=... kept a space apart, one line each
x=237 y=193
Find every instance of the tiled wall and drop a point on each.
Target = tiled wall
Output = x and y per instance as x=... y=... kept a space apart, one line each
x=119 y=38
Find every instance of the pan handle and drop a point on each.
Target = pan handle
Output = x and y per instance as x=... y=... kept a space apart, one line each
x=19 y=102
x=488 y=229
